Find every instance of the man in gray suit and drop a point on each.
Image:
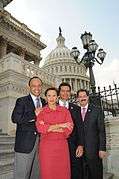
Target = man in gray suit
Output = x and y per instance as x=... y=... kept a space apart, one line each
x=26 y=141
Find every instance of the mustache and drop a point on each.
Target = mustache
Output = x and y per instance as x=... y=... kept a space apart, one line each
x=83 y=100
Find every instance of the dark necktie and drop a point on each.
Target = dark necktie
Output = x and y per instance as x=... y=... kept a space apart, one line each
x=37 y=102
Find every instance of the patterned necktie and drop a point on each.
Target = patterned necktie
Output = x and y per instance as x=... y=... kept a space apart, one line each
x=37 y=102
x=83 y=113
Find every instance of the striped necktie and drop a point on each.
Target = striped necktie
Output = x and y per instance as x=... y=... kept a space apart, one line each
x=37 y=102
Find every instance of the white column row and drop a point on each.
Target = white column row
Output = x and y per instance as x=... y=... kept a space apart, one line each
x=76 y=84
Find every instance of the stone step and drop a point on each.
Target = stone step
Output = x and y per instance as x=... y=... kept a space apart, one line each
x=6 y=138
x=6 y=166
x=6 y=145
x=6 y=175
x=108 y=176
x=6 y=154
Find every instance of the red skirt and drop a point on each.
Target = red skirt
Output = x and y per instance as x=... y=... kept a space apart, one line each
x=54 y=159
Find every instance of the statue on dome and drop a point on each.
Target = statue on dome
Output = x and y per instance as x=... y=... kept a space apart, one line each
x=60 y=31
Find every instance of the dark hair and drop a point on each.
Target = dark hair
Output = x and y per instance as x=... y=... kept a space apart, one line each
x=52 y=89
x=64 y=84
x=82 y=90
x=34 y=77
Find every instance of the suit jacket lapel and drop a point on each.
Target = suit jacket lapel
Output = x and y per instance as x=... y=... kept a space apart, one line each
x=31 y=101
x=70 y=107
x=87 y=116
x=80 y=114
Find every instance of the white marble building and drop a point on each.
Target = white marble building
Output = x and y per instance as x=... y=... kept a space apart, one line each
x=60 y=63
x=19 y=60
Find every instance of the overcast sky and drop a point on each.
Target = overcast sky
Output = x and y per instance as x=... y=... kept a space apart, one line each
x=100 y=17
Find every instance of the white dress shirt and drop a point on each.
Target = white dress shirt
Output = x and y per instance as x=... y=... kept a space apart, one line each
x=86 y=108
x=64 y=103
x=34 y=99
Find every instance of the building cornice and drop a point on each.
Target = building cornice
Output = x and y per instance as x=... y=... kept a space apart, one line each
x=7 y=19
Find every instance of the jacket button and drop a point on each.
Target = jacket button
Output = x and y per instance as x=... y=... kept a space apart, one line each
x=35 y=133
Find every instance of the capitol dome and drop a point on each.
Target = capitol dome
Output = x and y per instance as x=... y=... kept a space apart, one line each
x=60 y=63
x=60 y=52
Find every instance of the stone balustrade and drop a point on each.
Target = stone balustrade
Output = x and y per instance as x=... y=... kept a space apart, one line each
x=112 y=131
x=17 y=64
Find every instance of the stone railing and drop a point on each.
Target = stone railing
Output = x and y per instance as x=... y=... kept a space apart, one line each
x=112 y=131
x=17 y=64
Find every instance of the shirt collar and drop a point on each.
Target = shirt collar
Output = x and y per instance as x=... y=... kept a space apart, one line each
x=61 y=103
x=34 y=99
x=86 y=107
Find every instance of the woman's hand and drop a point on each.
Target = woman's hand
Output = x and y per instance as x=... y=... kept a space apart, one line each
x=66 y=125
x=60 y=127
x=54 y=128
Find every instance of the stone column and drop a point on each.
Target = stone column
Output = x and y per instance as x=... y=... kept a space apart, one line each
x=3 y=47
x=76 y=86
x=85 y=84
x=70 y=82
x=64 y=80
x=81 y=84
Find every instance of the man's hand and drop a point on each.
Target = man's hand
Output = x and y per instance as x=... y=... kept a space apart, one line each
x=38 y=110
x=79 y=151
x=102 y=154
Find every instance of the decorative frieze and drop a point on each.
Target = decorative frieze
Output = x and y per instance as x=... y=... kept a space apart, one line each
x=12 y=89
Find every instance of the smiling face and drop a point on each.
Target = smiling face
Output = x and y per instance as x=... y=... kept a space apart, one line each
x=51 y=97
x=83 y=98
x=65 y=92
x=35 y=86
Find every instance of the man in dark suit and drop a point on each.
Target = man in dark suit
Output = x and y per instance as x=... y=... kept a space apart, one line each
x=94 y=137
x=75 y=140
x=26 y=141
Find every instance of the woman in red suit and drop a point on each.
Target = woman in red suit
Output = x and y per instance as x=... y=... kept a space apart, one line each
x=54 y=123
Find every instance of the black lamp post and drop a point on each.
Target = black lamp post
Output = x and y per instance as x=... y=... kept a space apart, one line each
x=89 y=58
